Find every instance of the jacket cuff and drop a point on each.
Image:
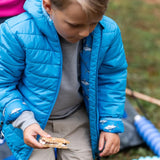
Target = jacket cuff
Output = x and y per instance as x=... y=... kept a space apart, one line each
x=24 y=120
x=13 y=110
x=113 y=125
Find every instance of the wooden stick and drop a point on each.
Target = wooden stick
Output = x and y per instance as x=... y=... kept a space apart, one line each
x=141 y=96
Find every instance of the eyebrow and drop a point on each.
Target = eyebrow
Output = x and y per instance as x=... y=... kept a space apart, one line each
x=76 y=24
x=73 y=23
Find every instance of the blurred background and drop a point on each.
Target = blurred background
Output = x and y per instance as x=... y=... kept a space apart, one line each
x=139 y=21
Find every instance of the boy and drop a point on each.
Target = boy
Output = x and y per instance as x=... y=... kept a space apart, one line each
x=37 y=92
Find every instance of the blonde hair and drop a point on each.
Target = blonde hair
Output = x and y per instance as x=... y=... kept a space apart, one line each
x=90 y=7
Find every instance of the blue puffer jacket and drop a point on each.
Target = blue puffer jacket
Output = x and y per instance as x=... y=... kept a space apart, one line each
x=31 y=70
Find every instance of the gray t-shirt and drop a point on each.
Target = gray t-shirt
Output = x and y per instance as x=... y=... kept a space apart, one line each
x=69 y=97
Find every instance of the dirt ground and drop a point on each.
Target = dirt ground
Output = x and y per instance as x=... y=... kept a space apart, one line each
x=152 y=1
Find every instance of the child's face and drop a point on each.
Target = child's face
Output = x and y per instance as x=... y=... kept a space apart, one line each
x=72 y=23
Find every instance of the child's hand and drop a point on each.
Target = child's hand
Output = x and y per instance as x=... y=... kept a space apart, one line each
x=30 y=134
x=109 y=143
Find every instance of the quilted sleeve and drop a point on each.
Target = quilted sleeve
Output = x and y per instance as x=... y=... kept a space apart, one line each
x=112 y=84
x=11 y=69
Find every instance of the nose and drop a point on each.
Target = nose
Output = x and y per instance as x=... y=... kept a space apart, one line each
x=84 y=32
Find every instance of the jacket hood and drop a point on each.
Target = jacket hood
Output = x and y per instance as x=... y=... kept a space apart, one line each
x=41 y=18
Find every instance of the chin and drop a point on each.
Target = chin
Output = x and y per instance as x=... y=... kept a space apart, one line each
x=73 y=40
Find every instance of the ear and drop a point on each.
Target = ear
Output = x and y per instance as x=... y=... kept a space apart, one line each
x=47 y=6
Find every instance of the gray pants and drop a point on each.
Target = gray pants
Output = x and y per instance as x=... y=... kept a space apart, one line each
x=74 y=128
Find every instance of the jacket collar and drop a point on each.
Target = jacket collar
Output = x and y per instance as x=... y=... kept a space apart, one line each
x=101 y=22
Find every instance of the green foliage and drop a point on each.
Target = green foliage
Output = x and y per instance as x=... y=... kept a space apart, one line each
x=130 y=154
x=140 y=28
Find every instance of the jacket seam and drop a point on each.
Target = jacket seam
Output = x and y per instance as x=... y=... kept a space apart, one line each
x=41 y=63
x=37 y=95
x=38 y=49
x=38 y=86
x=41 y=75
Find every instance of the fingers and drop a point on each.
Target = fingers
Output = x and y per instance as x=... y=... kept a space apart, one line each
x=109 y=144
x=114 y=149
x=117 y=149
x=32 y=142
x=107 y=150
x=30 y=135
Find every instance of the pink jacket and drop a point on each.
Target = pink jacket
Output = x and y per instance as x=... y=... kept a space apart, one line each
x=11 y=7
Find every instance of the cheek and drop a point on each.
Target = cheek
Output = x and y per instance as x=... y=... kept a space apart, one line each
x=60 y=27
x=66 y=31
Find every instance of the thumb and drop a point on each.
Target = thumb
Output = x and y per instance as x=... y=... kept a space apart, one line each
x=42 y=133
x=101 y=142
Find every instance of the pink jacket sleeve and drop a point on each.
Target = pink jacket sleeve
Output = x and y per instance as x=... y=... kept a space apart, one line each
x=10 y=8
